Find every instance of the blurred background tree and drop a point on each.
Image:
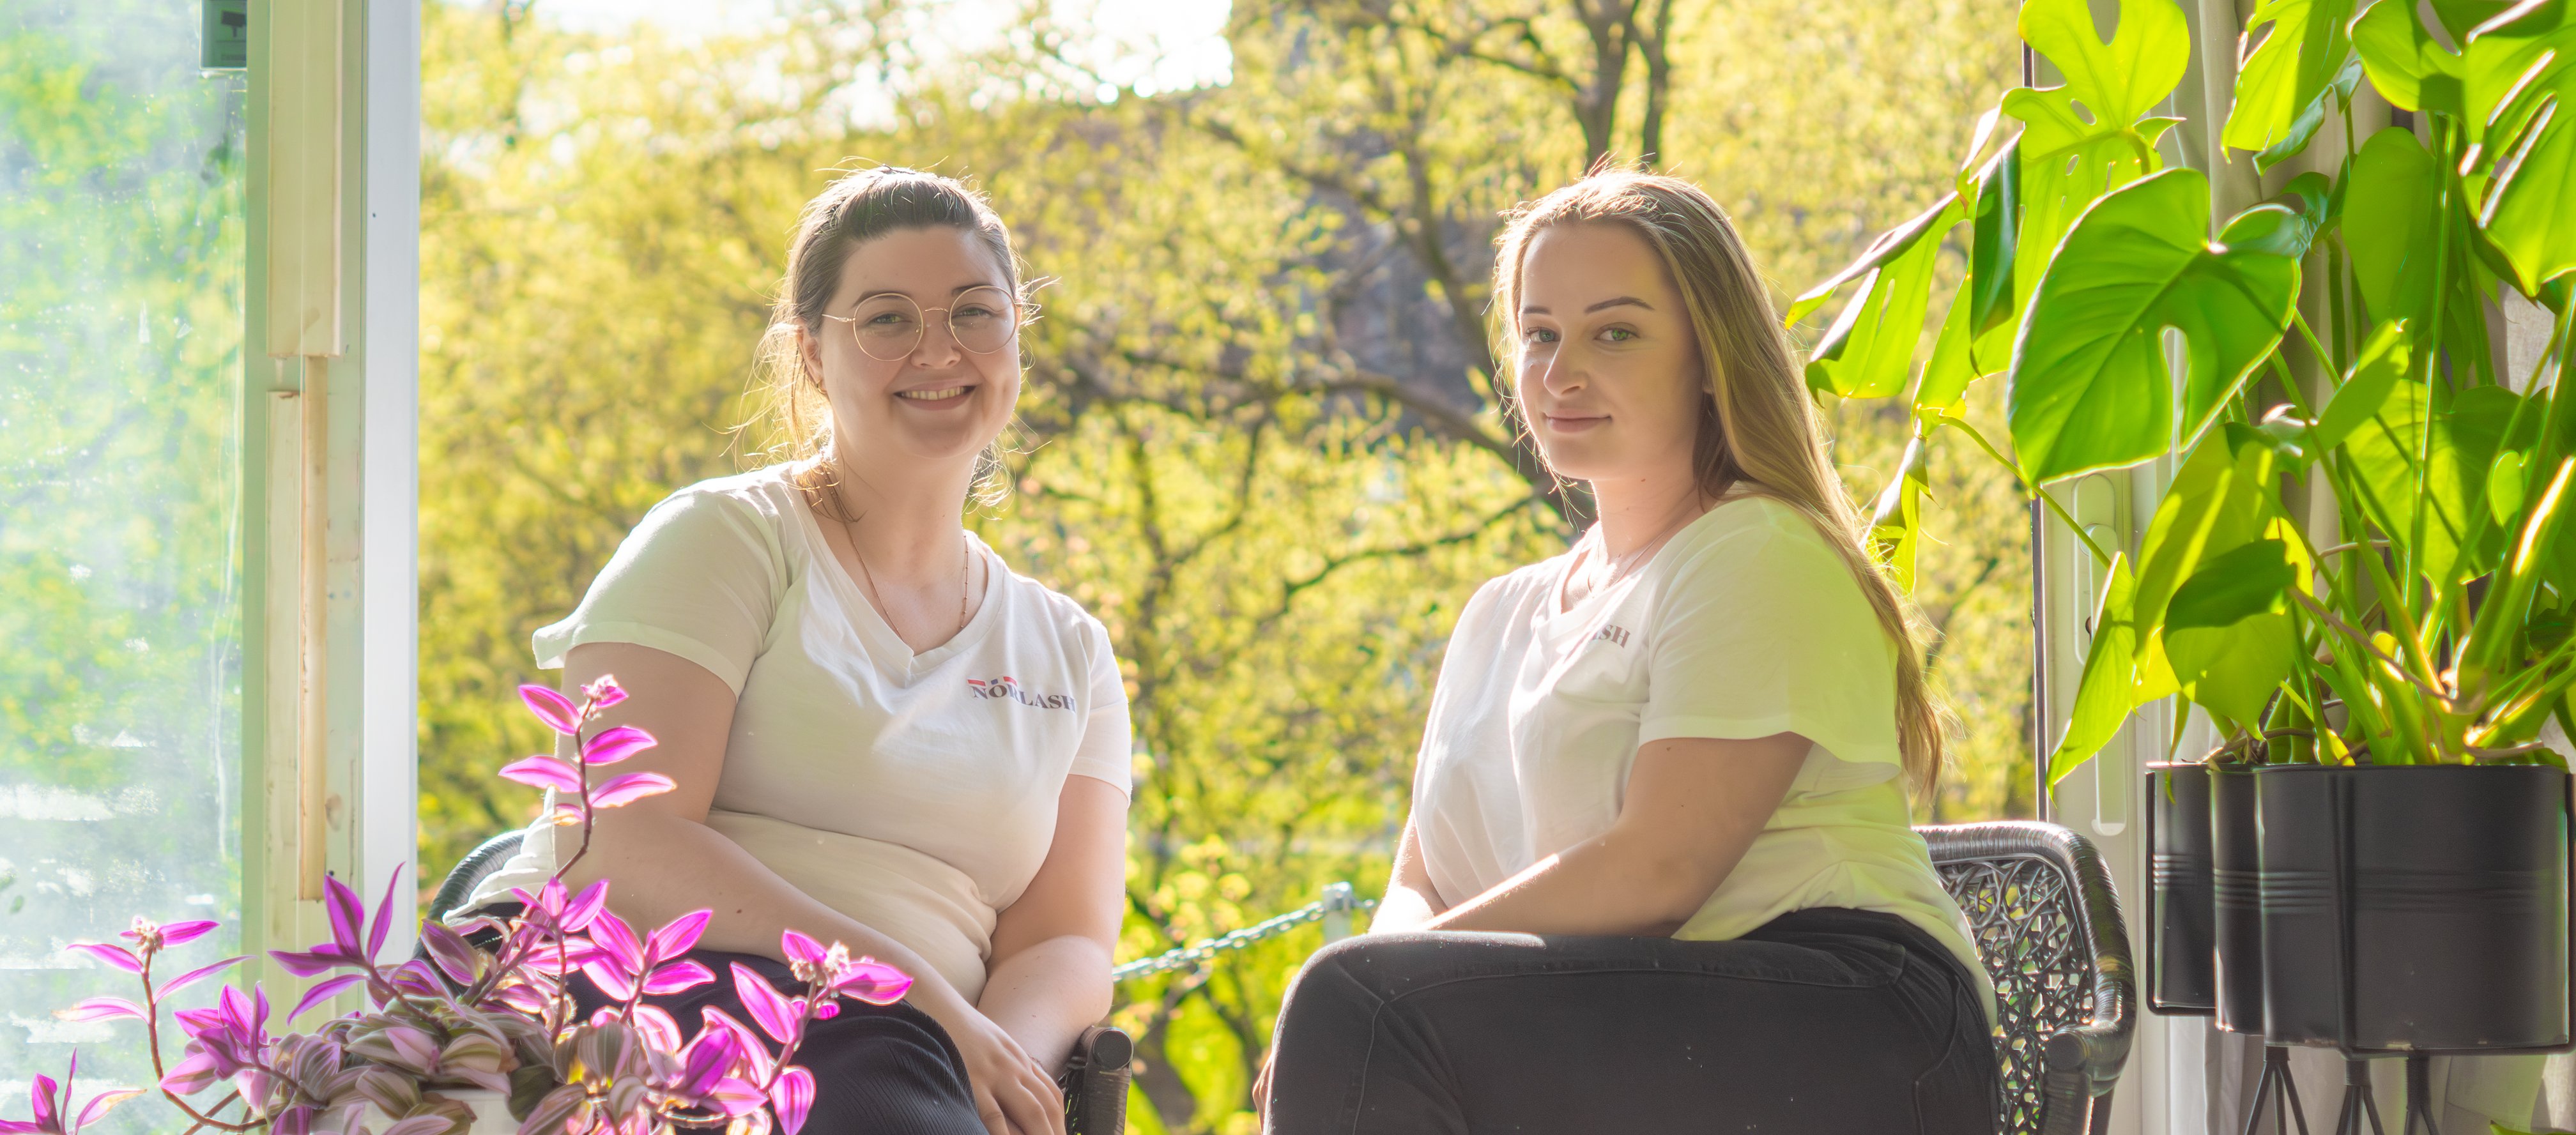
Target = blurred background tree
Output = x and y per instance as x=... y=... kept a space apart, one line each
x=1260 y=435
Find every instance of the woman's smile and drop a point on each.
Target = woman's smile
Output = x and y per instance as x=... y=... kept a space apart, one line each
x=1574 y=423
x=938 y=397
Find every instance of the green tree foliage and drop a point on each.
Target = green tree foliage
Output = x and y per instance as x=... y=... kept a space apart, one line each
x=1260 y=439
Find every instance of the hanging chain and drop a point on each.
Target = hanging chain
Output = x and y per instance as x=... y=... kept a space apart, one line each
x=1334 y=909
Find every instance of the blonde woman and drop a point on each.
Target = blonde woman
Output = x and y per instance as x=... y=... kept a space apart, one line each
x=880 y=734
x=1658 y=874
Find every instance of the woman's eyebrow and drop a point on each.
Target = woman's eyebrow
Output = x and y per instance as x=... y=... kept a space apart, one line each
x=1608 y=303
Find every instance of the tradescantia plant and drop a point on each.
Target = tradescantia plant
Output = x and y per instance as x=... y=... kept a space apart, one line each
x=2434 y=627
x=499 y=1018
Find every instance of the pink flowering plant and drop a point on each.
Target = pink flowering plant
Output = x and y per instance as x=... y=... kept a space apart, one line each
x=496 y=1017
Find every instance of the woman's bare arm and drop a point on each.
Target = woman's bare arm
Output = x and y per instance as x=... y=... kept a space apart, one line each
x=1411 y=900
x=1052 y=947
x=660 y=856
x=1692 y=809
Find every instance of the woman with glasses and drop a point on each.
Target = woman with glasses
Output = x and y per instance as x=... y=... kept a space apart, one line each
x=880 y=734
x=1659 y=875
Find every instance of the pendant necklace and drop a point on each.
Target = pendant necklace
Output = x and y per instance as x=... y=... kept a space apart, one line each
x=965 y=570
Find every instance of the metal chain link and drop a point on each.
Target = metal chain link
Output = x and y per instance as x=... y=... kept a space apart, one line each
x=1335 y=907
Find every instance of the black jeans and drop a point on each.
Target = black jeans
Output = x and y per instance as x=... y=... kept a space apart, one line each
x=1824 y=1020
x=876 y=1067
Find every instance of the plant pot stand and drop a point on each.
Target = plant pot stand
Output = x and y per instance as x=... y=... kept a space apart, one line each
x=2278 y=1089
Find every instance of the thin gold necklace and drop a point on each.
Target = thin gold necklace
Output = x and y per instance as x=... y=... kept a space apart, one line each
x=965 y=569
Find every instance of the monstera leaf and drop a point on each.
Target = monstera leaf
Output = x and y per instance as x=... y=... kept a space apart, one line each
x=2071 y=157
x=2089 y=386
x=1869 y=351
x=2283 y=84
x=2528 y=57
x=2391 y=214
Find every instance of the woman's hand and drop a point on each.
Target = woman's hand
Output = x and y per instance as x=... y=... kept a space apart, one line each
x=1012 y=1094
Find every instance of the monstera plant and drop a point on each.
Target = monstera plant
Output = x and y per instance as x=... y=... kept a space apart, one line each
x=2362 y=571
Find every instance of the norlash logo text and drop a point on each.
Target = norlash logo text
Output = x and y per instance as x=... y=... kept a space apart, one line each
x=1006 y=687
x=1617 y=635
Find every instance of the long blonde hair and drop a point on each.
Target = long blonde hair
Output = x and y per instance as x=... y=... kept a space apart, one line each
x=1757 y=430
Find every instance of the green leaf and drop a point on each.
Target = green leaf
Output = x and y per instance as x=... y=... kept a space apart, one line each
x=2244 y=581
x=1993 y=238
x=1950 y=370
x=2217 y=503
x=2401 y=56
x=2526 y=214
x=2382 y=454
x=2391 y=210
x=2304 y=127
x=1890 y=245
x=2102 y=695
x=1869 y=352
x=2289 y=74
x=2385 y=359
x=2231 y=671
x=2090 y=388
x=1896 y=523
x=2071 y=157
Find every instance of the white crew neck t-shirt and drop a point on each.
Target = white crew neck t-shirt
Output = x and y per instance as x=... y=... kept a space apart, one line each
x=914 y=793
x=1745 y=624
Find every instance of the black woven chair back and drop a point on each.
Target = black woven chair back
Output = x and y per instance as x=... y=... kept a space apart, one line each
x=2048 y=926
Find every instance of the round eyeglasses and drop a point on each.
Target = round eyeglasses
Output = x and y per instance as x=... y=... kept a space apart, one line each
x=889 y=325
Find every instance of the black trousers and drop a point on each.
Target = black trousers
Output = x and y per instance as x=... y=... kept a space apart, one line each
x=1824 y=1020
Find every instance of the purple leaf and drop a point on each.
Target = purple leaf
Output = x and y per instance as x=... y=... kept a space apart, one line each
x=705 y=1060
x=825 y=1010
x=413 y=976
x=552 y=708
x=384 y=914
x=111 y=953
x=614 y=745
x=200 y=973
x=658 y=1029
x=101 y=1105
x=627 y=789
x=182 y=933
x=348 y=915
x=617 y=983
x=306 y=963
x=192 y=1075
x=543 y=772
x=793 y=1096
x=775 y=1015
x=675 y=939
x=585 y=906
x=736 y=1096
x=101 y=1009
x=604 y=692
x=453 y=954
x=20 y=1127
x=42 y=1094
x=800 y=948
x=873 y=982
x=753 y=1054
x=616 y=939
x=323 y=992
x=679 y=975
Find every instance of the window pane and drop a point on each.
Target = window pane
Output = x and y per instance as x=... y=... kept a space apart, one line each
x=121 y=226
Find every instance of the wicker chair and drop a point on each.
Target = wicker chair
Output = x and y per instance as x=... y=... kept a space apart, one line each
x=2048 y=926
x=1094 y=1081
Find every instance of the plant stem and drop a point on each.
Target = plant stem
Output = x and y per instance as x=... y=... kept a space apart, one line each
x=2033 y=491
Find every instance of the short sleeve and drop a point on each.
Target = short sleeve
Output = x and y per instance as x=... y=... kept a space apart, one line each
x=699 y=577
x=1107 y=737
x=1761 y=629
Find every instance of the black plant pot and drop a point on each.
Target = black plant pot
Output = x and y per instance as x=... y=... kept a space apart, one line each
x=2182 y=976
x=2235 y=862
x=2415 y=907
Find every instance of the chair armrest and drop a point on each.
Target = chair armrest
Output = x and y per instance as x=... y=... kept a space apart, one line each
x=1095 y=1082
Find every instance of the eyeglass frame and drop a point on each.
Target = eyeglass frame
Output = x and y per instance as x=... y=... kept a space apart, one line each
x=1021 y=310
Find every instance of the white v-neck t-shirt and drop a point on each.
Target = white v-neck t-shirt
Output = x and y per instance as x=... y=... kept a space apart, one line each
x=1744 y=624
x=915 y=793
